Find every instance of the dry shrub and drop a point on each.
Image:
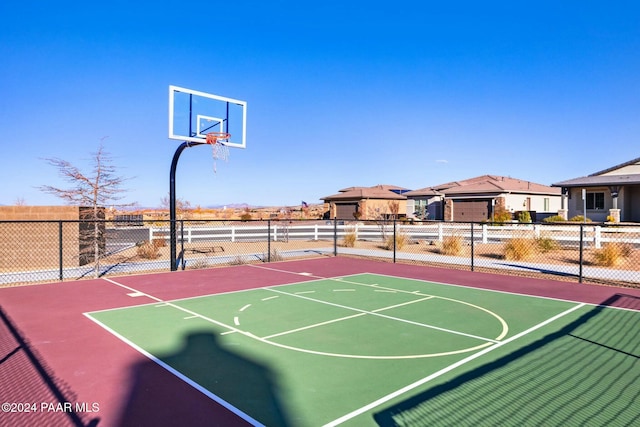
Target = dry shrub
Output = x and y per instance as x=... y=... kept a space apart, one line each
x=198 y=264
x=148 y=250
x=451 y=245
x=519 y=249
x=238 y=260
x=547 y=244
x=349 y=239
x=611 y=254
x=159 y=243
x=276 y=255
x=401 y=240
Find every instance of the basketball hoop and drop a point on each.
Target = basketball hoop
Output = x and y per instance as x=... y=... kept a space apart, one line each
x=220 y=150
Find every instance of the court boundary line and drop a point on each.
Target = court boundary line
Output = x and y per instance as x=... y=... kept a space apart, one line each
x=449 y=368
x=157 y=300
x=337 y=278
x=460 y=286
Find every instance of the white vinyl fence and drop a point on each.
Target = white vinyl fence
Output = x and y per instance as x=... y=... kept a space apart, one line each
x=593 y=235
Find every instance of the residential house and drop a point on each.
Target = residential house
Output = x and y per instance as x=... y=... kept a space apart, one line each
x=477 y=199
x=425 y=203
x=379 y=201
x=610 y=194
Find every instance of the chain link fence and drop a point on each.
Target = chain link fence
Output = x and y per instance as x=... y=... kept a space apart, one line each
x=45 y=251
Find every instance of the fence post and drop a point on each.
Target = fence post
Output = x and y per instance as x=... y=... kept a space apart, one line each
x=268 y=240
x=183 y=262
x=335 y=236
x=61 y=264
x=581 y=252
x=472 y=247
x=440 y=231
x=597 y=236
x=485 y=233
x=394 y=240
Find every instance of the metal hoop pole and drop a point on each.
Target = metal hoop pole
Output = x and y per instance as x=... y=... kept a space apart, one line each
x=172 y=201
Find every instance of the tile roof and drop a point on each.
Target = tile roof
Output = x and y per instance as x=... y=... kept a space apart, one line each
x=359 y=193
x=427 y=191
x=486 y=184
x=620 y=166
x=379 y=186
x=591 y=180
x=603 y=177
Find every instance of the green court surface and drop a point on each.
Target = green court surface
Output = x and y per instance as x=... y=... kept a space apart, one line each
x=367 y=350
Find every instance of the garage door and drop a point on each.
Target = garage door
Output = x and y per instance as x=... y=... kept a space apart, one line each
x=346 y=210
x=471 y=210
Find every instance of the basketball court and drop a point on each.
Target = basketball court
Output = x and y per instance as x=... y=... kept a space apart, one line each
x=328 y=341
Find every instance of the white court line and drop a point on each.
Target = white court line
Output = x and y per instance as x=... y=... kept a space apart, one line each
x=313 y=326
x=434 y=282
x=449 y=368
x=402 y=303
x=135 y=294
x=340 y=319
x=135 y=291
x=375 y=313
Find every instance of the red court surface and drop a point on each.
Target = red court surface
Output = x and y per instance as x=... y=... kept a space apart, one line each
x=76 y=373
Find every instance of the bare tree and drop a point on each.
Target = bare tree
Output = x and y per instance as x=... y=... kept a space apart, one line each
x=384 y=217
x=91 y=191
x=183 y=207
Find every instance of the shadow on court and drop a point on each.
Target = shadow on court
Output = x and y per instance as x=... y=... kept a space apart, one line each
x=31 y=389
x=248 y=385
x=586 y=373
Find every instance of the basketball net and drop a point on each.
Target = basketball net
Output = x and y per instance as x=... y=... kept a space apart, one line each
x=219 y=150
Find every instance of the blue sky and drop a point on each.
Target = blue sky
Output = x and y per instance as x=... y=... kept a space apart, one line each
x=340 y=93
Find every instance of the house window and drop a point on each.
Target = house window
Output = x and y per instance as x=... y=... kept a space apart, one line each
x=595 y=201
x=546 y=204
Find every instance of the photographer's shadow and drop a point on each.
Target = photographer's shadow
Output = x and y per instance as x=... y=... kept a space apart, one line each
x=243 y=386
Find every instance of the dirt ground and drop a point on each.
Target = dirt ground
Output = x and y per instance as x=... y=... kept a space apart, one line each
x=487 y=250
x=496 y=251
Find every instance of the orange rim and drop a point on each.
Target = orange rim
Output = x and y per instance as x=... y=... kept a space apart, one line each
x=213 y=137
